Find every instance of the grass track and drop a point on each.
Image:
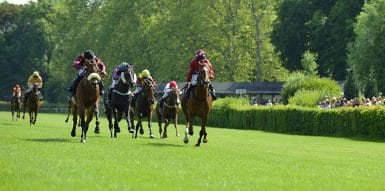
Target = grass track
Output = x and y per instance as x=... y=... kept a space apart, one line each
x=45 y=157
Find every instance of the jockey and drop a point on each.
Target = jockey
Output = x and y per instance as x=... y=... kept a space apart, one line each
x=80 y=63
x=35 y=79
x=16 y=91
x=118 y=72
x=167 y=89
x=145 y=74
x=192 y=75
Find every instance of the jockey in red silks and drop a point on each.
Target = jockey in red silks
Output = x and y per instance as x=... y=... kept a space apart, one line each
x=16 y=91
x=167 y=89
x=80 y=64
x=192 y=75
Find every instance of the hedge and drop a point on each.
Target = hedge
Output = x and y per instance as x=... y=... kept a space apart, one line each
x=366 y=122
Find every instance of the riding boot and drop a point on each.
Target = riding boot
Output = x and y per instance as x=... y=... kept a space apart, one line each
x=74 y=85
x=212 y=92
x=101 y=88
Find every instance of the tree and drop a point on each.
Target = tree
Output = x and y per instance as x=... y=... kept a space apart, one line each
x=366 y=54
x=309 y=63
x=350 y=88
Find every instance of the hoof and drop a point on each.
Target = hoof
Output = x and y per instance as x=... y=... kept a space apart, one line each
x=66 y=120
x=97 y=130
x=197 y=145
x=204 y=140
x=191 y=133
x=178 y=135
x=73 y=134
x=83 y=141
x=185 y=141
x=130 y=130
x=118 y=129
x=151 y=136
x=141 y=131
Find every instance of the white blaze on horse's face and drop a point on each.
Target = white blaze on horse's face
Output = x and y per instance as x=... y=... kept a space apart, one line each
x=122 y=76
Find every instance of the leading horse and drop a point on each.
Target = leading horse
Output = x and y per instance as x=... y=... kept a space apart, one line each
x=168 y=111
x=15 y=106
x=143 y=106
x=119 y=102
x=86 y=100
x=198 y=104
x=32 y=102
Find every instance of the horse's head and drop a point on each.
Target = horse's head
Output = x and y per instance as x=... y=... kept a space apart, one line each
x=35 y=90
x=173 y=97
x=93 y=77
x=204 y=74
x=129 y=76
x=149 y=90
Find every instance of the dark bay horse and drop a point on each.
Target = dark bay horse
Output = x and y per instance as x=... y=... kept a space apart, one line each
x=198 y=104
x=143 y=104
x=15 y=106
x=32 y=102
x=168 y=111
x=86 y=100
x=119 y=102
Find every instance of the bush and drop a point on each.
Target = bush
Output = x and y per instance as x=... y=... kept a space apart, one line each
x=298 y=81
x=307 y=98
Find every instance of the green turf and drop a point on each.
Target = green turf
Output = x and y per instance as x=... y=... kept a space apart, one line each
x=45 y=157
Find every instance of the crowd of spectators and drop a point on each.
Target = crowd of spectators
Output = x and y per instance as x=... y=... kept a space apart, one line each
x=356 y=102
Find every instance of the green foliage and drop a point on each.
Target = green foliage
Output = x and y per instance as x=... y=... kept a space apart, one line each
x=350 y=88
x=298 y=81
x=371 y=85
x=309 y=63
x=324 y=27
x=366 y=55
x=361 y=122
x=307 y=98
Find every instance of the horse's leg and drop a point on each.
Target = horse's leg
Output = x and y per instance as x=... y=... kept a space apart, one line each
x=68 y=112
x=149 y=125
x=97 y=129
x=116 y=125
x=176 y=126
x=30 y=117
x=128 y=120
x=90 y=115
x=109 y=118
x=202 y=132
x=34 y=119
x=166 y=123
x=24 y=109
x=186 y=131
x=74 y=120
x=138 y=124
x=159 y=116
x=83 y=123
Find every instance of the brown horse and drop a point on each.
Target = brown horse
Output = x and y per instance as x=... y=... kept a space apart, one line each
x=15 y=106
x=168 y=111
x=86 y=100
x=198 y=104
x=143 y=104
x=32 y=101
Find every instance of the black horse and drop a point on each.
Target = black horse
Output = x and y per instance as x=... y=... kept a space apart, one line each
x=118 y=101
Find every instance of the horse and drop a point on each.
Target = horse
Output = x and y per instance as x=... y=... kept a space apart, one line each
x=198 y=104
x=142 y=106
x=168 y=111
x=119 y=102
x=32 y=101
x=86 y=100
x=15 y=106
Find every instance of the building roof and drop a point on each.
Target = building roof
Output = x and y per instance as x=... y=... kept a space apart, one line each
x=231 y=87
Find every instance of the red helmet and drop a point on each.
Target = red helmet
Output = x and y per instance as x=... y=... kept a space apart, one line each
x=173 y=84
x=200 y=55
x=17 y=85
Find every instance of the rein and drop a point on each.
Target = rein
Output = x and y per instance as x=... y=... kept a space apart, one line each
x=122 y=94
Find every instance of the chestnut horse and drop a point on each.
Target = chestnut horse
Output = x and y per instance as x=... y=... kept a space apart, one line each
x=143 y=105
x=168 y=111
x=119 y=102
x=32 y=101
x=15 y=106
x=86 y=100
x=198 y=104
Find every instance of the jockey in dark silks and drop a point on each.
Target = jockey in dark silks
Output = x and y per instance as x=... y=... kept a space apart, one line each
x=192 y=75
x=80 y=63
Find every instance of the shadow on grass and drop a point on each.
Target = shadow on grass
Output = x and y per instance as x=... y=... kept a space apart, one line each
x=45 y=140
x=163 y=145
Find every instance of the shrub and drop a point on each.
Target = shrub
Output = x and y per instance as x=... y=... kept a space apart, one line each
x=298 y=81
x=308 y=98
